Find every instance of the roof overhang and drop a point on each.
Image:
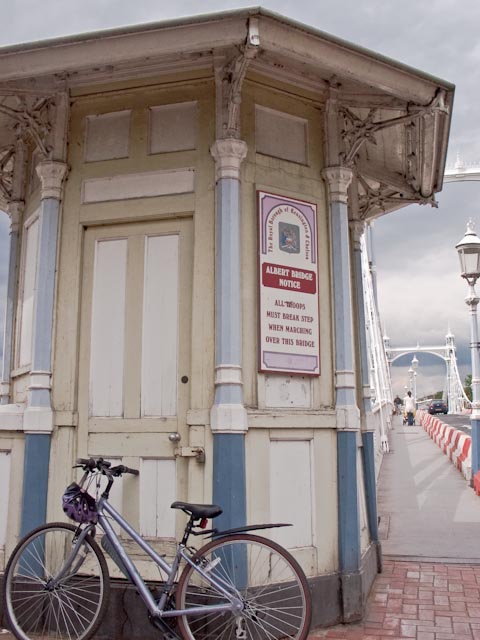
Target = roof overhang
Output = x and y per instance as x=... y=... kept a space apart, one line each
x=400 y=161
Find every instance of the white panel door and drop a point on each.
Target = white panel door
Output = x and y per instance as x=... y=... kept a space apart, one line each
x=135 y=359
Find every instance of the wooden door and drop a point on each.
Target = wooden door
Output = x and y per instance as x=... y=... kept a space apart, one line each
x=135 y=362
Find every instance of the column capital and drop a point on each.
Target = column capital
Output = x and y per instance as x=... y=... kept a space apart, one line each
x=338 y=180
x=15 y=211
x=357 y=228
x=228 y=154
x=52 y=174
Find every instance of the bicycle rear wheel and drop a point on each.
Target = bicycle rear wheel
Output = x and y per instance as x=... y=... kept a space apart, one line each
x=272 y=586
x=40 y=607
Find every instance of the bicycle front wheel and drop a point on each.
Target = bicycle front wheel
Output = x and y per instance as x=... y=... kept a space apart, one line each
x=269 y=581
x=48 y=594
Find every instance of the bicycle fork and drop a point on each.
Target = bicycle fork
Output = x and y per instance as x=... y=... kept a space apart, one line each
x=65 y=570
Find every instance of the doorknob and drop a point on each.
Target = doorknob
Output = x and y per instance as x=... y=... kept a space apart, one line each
x=174 y=437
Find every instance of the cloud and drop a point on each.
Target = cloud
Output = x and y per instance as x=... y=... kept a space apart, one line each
x=421 y=293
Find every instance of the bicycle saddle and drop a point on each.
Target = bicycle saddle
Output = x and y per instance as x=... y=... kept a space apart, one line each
x=198 y=510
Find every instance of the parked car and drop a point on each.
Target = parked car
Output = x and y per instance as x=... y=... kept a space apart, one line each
x=437 y=406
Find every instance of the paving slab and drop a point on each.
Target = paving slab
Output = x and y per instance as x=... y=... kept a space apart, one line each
x=430 y=534
x=418 y=600
x=426 y=507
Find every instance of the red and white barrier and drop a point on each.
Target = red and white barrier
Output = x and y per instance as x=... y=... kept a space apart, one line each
x=454 y=443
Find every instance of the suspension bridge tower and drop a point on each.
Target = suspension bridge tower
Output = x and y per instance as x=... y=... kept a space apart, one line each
x=454 y=392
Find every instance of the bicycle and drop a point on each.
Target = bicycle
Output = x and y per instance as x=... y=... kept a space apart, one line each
x=237 y=586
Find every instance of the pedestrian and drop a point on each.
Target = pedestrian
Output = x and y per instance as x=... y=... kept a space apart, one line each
x=409 y=408
x=398 y=403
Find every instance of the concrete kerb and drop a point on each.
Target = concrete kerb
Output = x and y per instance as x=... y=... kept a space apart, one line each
x=453 y=442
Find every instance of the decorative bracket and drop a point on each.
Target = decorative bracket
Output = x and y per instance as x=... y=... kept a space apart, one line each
x=7 y=154
x=230 y=78
x=32 y=114
x=379 y=198
x=357 y=131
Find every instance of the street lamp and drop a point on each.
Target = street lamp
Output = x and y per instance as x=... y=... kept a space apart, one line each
x=410 y=378
x=469 y=253
x=415 y=367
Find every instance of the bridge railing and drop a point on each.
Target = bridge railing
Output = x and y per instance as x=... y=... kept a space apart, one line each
x=382 y=423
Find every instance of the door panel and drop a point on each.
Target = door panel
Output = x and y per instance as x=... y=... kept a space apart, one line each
x=134 y=348
x=160 y=327
x=108 y=329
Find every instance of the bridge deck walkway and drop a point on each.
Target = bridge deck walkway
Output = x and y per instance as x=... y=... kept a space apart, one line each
x=430 y=533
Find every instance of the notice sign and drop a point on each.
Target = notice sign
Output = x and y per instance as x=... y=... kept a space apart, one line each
x=288 y=274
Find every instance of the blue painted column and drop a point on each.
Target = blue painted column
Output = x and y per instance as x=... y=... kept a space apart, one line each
x=348 y=417
x=228 y=416
x=15 y=211
x=366 y=418
x=38 y=416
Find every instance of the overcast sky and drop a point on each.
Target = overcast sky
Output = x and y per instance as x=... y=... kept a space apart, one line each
x=421 y=293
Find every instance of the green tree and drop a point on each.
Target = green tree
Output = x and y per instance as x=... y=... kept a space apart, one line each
x=438 y=395
x=468 y=386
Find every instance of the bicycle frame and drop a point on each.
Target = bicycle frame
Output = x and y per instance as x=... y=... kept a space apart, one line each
x=104 y=507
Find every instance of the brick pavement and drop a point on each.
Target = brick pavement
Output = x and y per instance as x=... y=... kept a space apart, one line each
x=415 y=601
x=418 y=600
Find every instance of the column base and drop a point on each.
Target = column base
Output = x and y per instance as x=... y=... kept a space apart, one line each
x=38 y=420
x=228 y=418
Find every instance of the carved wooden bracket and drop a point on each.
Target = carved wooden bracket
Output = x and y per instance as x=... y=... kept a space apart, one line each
x=230 y=75
x=357 y=131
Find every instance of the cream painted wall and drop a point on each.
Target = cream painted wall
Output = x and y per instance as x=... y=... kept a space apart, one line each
x=310 y=430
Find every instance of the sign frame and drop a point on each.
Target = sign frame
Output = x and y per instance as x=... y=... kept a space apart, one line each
x=288 y=288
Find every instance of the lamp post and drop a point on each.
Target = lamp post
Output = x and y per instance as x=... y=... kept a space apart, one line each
x=469 y=253
x=415 y=367
x=410 y=379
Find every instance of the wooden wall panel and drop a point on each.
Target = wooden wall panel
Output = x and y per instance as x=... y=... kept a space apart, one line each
x=291 y=491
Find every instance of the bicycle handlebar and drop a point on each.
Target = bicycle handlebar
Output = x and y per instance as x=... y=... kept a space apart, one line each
x=105 y=467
